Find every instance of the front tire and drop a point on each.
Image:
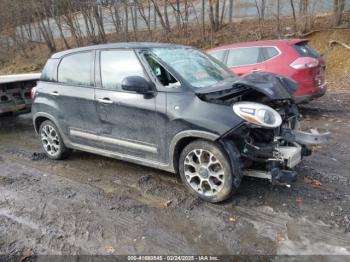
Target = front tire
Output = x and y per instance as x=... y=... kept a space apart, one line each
x=205 y=169
x=52 y=142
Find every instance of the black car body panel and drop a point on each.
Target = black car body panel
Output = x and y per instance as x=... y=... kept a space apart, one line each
x=270 y=85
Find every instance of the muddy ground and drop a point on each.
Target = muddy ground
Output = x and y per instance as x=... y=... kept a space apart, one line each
x=94 y=205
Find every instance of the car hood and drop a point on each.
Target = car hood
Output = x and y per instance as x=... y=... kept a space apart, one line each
x=273 y=86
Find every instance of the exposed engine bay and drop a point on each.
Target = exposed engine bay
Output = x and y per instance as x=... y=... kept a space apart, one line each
x=272 y=149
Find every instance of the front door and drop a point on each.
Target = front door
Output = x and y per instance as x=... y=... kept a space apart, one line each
x=127 y=119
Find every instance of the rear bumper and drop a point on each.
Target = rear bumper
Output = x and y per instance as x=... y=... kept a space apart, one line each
x=313 y=94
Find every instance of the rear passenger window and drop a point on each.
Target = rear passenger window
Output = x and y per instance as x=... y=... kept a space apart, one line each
x=243 y=56
x=75 y=69
x=270 y=52
x=49 y=72
x=118 y=64
x=219 y=55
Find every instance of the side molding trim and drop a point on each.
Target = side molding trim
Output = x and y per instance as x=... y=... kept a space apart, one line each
x=113 y=141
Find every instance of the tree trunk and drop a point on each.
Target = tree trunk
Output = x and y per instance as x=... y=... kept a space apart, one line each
x=338 y=7
x=126 y=22
x=294 y=16
x=230 y=11
x=278 y=18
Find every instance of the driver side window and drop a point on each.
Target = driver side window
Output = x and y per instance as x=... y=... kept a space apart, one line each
x=163 y=76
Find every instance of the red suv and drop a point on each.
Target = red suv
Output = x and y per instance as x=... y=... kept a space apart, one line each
x=293 y=58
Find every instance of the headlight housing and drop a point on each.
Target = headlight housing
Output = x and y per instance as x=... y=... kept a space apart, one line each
x=258 y=114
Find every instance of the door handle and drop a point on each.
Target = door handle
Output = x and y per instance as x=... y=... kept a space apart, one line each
x=55 y=93
x=105 y=100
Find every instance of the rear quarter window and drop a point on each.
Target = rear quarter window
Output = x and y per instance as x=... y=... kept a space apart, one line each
x=49 y=73
x=270 y=52
x=305 y=50
x=219 y=55
x=75 y=69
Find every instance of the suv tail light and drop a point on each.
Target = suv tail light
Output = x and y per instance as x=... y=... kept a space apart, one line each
x=32 y=92
x=305 y=62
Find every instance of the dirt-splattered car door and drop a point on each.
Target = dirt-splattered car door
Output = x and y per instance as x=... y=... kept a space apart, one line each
x=127 y=119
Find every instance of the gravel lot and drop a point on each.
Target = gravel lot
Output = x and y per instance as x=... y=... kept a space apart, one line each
x=94 y=205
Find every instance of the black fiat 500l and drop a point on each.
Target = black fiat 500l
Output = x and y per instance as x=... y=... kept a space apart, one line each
x=174 y=108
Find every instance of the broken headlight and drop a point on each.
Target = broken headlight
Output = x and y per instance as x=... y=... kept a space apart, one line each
x=258 y=114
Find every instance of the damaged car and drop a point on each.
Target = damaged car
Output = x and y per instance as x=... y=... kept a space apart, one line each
x=174 y=108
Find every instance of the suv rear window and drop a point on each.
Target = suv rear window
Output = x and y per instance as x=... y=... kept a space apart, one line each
x=305 y=50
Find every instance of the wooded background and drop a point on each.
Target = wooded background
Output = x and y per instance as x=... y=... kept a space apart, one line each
x=71 y=23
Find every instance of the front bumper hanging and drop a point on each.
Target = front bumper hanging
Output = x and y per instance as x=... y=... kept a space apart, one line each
x=290 y=156
x=314 y=137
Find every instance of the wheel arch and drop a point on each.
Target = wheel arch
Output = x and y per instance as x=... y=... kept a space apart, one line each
x=39 y=118
x=182 y=139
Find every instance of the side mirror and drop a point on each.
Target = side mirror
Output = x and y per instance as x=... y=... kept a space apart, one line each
x=136 y=84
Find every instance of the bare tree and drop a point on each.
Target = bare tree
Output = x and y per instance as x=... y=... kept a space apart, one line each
x=160 y=15
x=126 y=20
x=230 y=11
x=304 y=14
x=338 y=9
x=278 y=13
x=260 y=17
x=295 y=25
x=71 y=20
x=214 y=14
x=115 y=14
x=203 y=19
x=44 y=23
x=141 y=9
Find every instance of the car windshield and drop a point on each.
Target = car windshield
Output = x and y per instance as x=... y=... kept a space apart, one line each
x=194 y=66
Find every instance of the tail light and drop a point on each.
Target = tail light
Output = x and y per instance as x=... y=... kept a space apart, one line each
x=32 y=92
x=304 y=63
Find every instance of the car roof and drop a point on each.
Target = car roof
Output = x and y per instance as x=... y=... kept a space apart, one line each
x=260 y=43
x=127 y=45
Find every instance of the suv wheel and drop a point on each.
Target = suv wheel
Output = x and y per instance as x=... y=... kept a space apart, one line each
x=206 y=171
x=52 y=142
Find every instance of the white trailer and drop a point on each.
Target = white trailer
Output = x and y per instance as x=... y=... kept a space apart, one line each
x=15 y=92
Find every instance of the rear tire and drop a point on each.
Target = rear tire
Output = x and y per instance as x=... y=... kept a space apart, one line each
x=205 y=169
x=52 y=142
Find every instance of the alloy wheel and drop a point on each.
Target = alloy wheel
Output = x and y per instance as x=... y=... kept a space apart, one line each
x=204 y=172
x=50 y=140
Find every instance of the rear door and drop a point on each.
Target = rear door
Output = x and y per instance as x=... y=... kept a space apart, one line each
x=245 y=60
x=127 y=119
x=75 y=97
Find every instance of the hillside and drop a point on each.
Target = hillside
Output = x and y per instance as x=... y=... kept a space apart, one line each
x=337 y=56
